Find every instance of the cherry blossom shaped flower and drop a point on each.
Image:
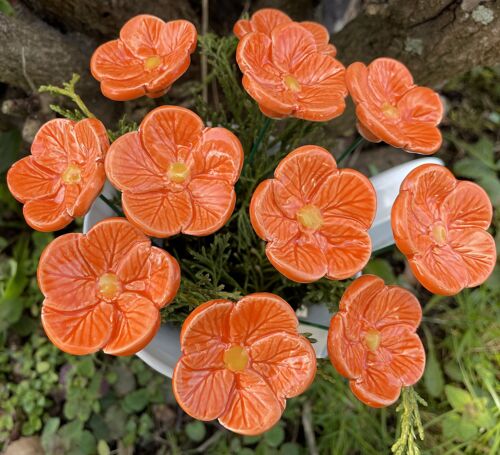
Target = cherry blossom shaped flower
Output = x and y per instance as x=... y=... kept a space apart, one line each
x=288 y=75
x=175 y=174
x=439 y=223
x=391 y=108
x=104 y=289
x=372 y=340
x=147 y=59
x=267 y=19
x=241 y=361
x=314 y=216
x=64 y=174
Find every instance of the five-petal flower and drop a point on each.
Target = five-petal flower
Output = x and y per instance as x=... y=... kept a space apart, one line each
x=372 y=340
x=147 y=59
x=240 y=361
x=267 y=19
x=288 y=75
x=63 y=175
x=175 y=174
x=391 y=108
x=314 y=216
x=104 y=290
x=440 y=224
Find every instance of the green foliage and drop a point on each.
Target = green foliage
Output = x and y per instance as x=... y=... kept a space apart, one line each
x=10 y=146
x=6 y=8
x=410 y=423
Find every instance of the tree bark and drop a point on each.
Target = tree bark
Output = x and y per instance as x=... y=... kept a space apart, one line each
x=436 y=39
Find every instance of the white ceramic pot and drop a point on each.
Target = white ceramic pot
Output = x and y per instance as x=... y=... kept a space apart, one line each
x=163 y=351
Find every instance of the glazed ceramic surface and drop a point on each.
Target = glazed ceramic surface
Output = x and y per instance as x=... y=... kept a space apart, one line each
x=164 y=350
x=63 y=175
x=241 y=361
x=391 y=108
x=175 y=174
x=314 y=216
x=149 y=56
x=267 y=19
x=440 y=224
x=288 y=74
x=104 y=289
x=372 y=340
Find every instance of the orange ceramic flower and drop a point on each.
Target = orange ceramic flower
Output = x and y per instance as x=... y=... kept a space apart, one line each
x=63 y=175
x=147 y=59
x=314 y=216
x=440 y=224
x=288 y=75
x=267 y=19
x=372 y=340
x=240 y=361
x=104 y=290
x=391 y=108
x=176 y=175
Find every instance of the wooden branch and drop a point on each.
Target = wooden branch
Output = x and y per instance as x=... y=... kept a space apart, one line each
x=33 y=53
x=104 y=18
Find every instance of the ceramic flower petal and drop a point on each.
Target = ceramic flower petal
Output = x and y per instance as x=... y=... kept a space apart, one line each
x=254 y=408
x=391 y=108
x=147 y=59
x=440 y=224
x=372 y=340
x=175 y=174
x=240 y=361
x=289 y=73
x=103 y=290
x=63 y=175
x=267 y=19
x=314 y=217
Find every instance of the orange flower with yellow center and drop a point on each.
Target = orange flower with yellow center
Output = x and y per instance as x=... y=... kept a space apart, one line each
x=288 y=75
x=104 y=289
x=147 y=59
x=64 y=174
x=440 y=224
x=314 y=216
x=372 y=340
x=176 y=175
x=267 y=19
x=391 y=108
x=241 y=361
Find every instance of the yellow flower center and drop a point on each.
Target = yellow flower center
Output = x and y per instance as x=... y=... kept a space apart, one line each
x=310 y=217
x=292 y=83
x=372 y=339
x=178 y=172
x=236 y=358
x=439 y=233
x=152 y=62
x=389 y=110
x=108 y=286
x=72 y=174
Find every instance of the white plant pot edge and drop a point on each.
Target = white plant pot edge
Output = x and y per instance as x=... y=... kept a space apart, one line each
x=164 y=350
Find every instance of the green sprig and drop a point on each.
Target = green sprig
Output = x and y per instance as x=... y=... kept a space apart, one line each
x=410 y=423
x=67 y=90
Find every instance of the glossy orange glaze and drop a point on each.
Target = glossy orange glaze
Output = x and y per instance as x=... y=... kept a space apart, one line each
x=104 y=289
x=175 y=174
x=440 y=224
x=267 y=19
x=314 y=216
x=147 y=59
x=287 y=72
x=241 y=361
x=372 y=340
x=63 y=175
x=391 y=108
